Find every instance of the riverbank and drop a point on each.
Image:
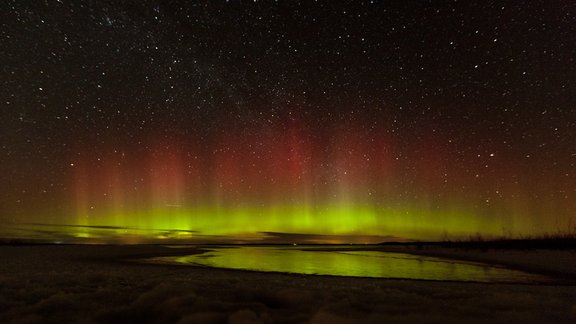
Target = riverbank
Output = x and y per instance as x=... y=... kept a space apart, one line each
x=92 y=284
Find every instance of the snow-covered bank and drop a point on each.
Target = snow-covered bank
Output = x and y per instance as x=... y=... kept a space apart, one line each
x=84 y=284
x=560 y=263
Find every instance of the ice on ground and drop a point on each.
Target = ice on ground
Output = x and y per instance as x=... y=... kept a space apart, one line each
x=60 y=284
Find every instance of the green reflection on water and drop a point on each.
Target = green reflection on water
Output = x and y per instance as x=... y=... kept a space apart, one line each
x=342 y=262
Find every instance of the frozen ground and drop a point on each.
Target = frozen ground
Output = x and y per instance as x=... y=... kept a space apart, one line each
x=84 y=284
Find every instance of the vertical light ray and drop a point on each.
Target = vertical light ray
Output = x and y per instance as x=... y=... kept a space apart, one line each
x=286 y=179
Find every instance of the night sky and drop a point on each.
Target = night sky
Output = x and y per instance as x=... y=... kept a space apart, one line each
x=135 y=121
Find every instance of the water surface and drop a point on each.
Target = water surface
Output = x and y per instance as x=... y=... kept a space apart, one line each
x=353 y=263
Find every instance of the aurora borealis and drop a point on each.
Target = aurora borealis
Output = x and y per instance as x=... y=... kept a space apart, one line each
x=292 y=183
x=333 y=122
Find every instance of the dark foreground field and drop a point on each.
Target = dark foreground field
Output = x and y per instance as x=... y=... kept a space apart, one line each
x=88 y=284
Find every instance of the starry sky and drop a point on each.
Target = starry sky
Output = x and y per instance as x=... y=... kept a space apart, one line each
x=260 y=120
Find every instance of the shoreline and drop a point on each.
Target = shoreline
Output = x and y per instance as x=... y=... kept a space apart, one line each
x=555 y=263
x=549 y=262
x=95 y=284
